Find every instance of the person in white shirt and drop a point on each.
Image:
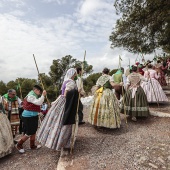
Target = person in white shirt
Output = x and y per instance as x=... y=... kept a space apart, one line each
x=31 y=105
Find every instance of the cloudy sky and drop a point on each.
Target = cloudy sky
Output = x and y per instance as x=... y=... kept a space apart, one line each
x=52 y=29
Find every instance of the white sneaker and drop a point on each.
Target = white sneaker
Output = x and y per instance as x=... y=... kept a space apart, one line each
x=19 y=149
x=39 y=146
x=134 y=119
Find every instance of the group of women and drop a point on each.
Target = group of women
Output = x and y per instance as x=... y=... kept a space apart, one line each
x=58 y=129
x=140 y=90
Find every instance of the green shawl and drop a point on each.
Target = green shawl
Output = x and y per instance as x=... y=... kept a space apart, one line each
x=32 y=93
x=10 y=99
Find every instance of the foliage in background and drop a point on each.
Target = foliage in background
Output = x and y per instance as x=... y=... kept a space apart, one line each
x=26 y=86
x=60 y=66
x=143 y=24
x=52 y=82
x=91 y=80
x=49 y=86
x=3 y=88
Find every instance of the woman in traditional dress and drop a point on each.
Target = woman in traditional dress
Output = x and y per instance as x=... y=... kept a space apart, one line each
x=152 y=88
x=56 y=129
x=6 y=138
x=164 y=68
x=159 y=67
x=135 y=101
x=105 y=107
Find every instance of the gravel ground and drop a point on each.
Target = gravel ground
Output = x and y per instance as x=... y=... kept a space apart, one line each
x=42 y=159
x=164 y=107
x=136 y=145
x=141 y=145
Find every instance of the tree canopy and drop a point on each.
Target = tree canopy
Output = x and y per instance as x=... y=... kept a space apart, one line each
x=60 y=66
x=144 y=25
x=52 y=82
x=3 y=88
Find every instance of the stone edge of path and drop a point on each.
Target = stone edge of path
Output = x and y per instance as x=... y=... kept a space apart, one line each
x=159 y=114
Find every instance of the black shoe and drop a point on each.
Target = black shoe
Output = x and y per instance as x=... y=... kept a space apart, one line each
x=15 y=142
x=81 y=123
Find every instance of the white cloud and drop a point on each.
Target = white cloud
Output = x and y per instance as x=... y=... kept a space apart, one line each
x=60 y=2
x=18 y=13
x=88 y=28
x=1 y=5
x=89 y=7
x=22 y=39
x=18 y=3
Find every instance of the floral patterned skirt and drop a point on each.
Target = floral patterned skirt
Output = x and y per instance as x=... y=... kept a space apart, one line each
x=105 y=110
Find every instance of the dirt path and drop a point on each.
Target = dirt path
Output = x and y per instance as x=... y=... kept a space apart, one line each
x=138 y=145
x=142 y=145
x=42 y=159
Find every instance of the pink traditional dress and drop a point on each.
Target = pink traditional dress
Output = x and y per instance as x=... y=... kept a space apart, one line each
x=168 y=69
x=152 y=88
x=168 y=63
x=159 y=68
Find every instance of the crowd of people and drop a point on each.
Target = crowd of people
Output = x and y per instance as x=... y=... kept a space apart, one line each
x=133 y=90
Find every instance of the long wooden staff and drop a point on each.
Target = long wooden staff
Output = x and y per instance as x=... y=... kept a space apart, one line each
x=40 y=79
x=142 y=56
x=151 y=81
x=76 y=118
x=123 y=94
x=20 y=90
x=119 y=66
x=136 y=58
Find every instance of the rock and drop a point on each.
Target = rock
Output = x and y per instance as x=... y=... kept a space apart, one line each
x=161 y=160
x=142 y=159
x=103 y=165
x=153 y=166
x=162 y=144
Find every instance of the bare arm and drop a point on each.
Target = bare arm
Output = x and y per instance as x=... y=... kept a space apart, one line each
x=145 y=79
x=113 y=84
x=65 y=92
